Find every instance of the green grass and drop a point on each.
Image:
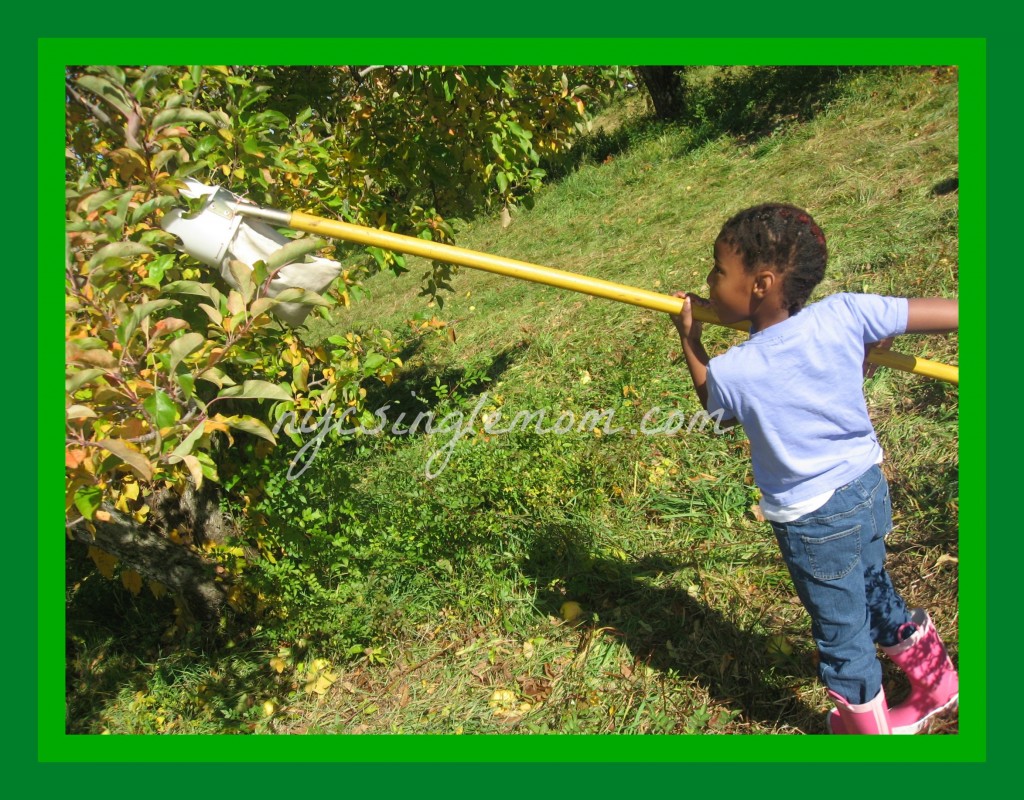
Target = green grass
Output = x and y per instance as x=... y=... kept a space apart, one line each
x=690 y=621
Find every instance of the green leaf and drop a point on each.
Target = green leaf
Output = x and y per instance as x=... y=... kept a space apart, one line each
x=122 y=250
x=156 y=269
x=88 y=500
x=262 y=305
x=378 y=256
x=187 y=444
x=252 y=147
x=184 y=346
x=162 y=408
x=164 y=201
x=138 y=463
x=242 y=274
x=373 y=362
x=82 y=377
x=518 y=131
x=139 y=313
x=216 y=377
x=256 y=390
x=79 y=412
x=105 y=89
x=196 y=288
x=259 y=273
x=147 y=78
x=502 y=180
x=302 y=296
x=249 y=425
x=169 y=116
x=187 y=382
x=214 y=314
x=293 y=251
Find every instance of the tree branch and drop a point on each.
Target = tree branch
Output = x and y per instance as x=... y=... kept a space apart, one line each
x=95 y=110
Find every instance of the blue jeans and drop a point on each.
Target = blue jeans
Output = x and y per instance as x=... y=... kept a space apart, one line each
x=836 y=557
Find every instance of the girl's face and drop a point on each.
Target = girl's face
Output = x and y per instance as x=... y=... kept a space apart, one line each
x=731 y=286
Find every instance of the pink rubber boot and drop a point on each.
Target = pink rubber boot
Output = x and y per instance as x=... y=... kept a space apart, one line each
x=871 y=717
x=934 y=684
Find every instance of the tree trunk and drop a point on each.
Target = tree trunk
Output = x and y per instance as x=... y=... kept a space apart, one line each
x=184 y=572
x=666 y=88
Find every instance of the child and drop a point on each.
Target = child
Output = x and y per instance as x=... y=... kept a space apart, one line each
x=796 y=387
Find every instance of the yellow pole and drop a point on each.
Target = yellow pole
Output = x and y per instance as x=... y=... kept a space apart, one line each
x=548 y=276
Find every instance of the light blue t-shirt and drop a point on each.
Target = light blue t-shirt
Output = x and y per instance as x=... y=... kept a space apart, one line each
x=798 y=389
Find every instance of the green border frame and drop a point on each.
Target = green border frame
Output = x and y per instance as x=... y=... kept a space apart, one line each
x=970 y=745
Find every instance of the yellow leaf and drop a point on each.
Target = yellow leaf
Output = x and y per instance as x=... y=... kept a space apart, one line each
x=235 y=598
x=129 y=163
x=157 y=588
x=104 y=562
x=195 y=469
x=321 y=683
x=279 y=664
x=132 y=581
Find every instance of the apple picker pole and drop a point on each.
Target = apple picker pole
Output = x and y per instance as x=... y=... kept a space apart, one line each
x=230 y=210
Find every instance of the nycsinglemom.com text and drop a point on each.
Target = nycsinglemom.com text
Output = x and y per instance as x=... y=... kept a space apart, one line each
x=456 y=425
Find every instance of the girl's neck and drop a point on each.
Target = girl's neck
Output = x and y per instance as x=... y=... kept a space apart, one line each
x=767 y=313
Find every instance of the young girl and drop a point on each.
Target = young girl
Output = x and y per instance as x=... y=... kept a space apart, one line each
x=796 y=386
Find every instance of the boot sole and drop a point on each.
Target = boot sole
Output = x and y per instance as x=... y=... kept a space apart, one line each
x=921 y=724
x=917 y=727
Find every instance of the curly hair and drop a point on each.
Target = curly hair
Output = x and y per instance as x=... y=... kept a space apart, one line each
x=786 y=240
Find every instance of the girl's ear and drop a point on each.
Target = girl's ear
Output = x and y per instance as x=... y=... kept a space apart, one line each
x=763 y=282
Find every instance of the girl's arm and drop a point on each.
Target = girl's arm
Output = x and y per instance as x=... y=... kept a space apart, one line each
x=693 y=349
x=933 y=315
x=697 y=358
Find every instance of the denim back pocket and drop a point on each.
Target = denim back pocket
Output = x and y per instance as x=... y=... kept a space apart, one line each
x=832 y=557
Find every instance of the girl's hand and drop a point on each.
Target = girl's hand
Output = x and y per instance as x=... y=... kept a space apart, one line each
x=690 y=329
x=868 y=368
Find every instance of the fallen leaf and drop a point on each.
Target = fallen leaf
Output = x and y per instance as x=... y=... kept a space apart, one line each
x=132 y=581
x=480 y=670
x=279 y=664
x=535 y=688
x=104 y=562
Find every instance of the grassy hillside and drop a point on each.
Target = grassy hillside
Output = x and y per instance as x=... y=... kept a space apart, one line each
x=443 y=612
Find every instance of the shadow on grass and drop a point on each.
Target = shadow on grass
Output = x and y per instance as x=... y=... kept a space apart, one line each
x=423 y=387
x=116 y=647
x=746 y=103
x=672 y=631
x=753 y=103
